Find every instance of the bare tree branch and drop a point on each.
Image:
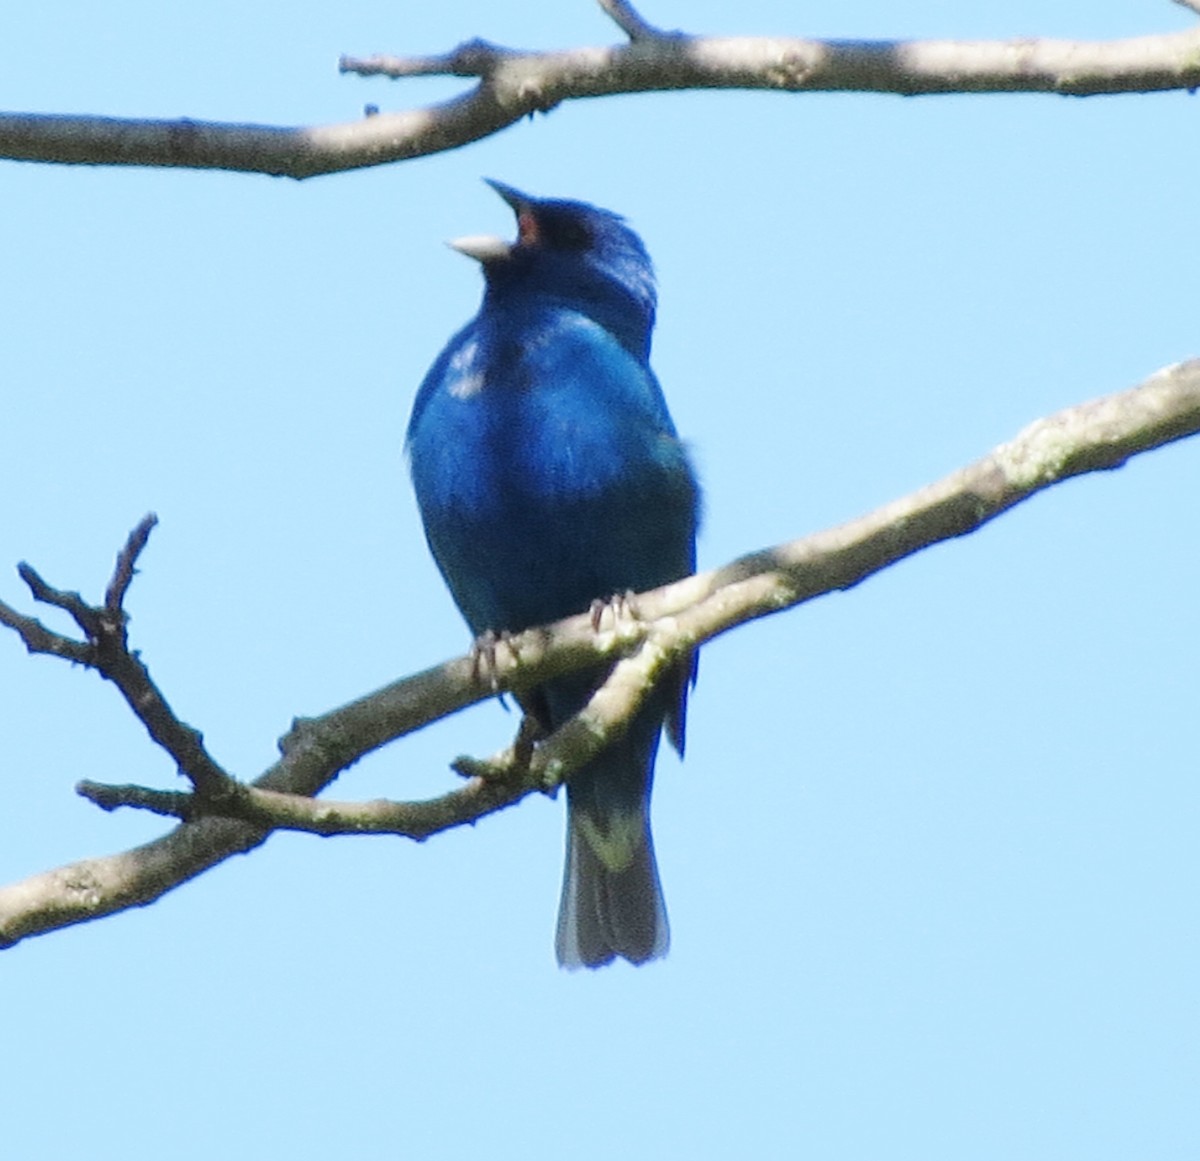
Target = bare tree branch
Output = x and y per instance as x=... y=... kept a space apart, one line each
x=106 y=650
x=39 y=639
x=630 y=21
x=514 y=84
x=126 y=569
x=1094 y=436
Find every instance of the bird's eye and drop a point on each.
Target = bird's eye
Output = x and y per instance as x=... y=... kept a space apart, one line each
x=571 y=235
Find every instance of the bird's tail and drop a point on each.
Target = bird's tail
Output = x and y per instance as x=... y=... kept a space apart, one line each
x=612 y=902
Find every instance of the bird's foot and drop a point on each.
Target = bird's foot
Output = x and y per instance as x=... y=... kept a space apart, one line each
x=621 y=608
x=484 y=650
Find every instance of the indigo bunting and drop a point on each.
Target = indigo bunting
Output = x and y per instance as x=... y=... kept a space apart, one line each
x=549 y=475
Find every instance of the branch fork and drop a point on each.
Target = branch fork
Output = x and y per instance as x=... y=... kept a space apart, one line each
x=105 y=649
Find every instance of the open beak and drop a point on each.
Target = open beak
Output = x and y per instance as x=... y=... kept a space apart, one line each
x=483 y=248
x=487 y=248
x=513 y=198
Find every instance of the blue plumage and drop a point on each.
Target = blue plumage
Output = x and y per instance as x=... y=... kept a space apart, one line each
x=549 y=474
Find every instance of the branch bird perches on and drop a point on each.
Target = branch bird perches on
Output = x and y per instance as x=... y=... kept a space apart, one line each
x=221 y=816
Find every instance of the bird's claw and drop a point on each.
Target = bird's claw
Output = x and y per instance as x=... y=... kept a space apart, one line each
x=621 y=607
x=484 y=665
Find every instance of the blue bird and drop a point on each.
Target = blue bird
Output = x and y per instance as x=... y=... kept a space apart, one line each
x=549 y=475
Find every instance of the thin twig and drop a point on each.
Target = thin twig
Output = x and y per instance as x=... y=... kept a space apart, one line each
x=39 y=639
x=169 y=803
x=81 y=612
x=630 y=21
x=473 y=58
x=114 y=596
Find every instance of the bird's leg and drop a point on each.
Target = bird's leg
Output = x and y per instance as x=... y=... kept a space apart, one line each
x=529 y=733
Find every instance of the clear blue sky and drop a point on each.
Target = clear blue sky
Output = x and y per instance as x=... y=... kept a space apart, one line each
x=932 y=860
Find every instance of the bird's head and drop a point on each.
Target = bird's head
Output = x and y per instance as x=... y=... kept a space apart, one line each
x=574 y=253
